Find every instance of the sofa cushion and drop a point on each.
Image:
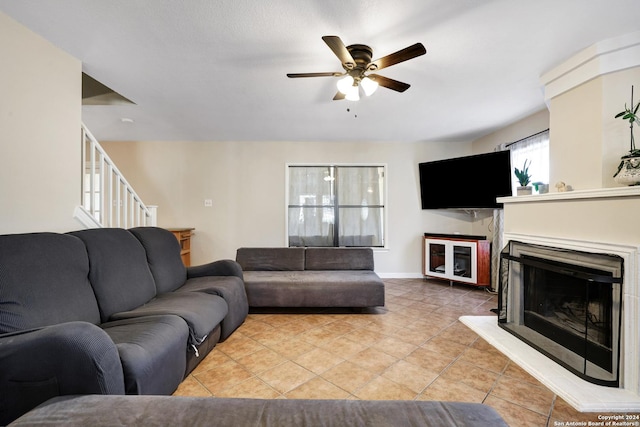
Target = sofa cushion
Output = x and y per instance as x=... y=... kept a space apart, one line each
x=358 y=288
x=202 y=312
x=119 y=271
x=270 y=259
x=44 y=281
x=232 y=289
x=338 y=259
x=152 y=352
x=163 y=256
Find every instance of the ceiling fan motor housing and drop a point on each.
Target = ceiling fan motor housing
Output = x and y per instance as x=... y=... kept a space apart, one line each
x=362 y=54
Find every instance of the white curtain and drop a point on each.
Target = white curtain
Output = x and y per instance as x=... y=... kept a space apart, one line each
x=318 y=193
x=535 y=149
x=496 y=237
x=311 y=210
x=361 y=200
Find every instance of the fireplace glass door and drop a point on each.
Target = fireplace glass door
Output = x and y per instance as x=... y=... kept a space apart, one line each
x=570 y=310
x=565 y=304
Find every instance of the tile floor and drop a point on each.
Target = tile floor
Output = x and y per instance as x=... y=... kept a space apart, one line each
x=413 y=348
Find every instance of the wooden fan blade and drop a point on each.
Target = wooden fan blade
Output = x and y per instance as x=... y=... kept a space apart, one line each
x=340 y=50
x=338 y=96
x=397 y=57
x=329 y=74
x=389 y=83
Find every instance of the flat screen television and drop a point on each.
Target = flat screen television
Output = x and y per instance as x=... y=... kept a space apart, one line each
x=470 y=182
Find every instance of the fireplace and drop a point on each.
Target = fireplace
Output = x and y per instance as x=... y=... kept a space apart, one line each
x=567 y=304
x=596 y=221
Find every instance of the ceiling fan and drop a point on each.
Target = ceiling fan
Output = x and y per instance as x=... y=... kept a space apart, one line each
x=356 y=61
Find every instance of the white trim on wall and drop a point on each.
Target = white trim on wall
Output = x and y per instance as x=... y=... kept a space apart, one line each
x=85 y=218
x=604 y=57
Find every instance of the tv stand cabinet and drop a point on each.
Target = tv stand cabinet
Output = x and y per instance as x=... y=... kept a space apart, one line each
x=457 y=258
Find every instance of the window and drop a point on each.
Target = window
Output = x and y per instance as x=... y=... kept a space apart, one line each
x=535 y=149
x=336 y=205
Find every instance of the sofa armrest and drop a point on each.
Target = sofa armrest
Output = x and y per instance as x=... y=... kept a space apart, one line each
x=224 y=267
x=63 y=359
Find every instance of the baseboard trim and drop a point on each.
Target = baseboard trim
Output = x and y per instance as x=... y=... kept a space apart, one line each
x=401 y=275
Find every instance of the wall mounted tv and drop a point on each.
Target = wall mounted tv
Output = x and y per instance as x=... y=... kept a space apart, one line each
x=471 y=182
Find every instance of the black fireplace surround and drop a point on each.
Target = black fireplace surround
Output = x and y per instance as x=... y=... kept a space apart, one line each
x=566 y=304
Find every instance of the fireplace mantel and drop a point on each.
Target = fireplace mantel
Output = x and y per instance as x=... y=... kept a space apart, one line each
x=598 y=193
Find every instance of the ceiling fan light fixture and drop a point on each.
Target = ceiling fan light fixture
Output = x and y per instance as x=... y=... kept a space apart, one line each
x=345 y=84
x=356 y=61
x=353 y=94
x=369 y=86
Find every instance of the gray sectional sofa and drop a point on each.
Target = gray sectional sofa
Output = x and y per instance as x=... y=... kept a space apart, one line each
x=89 y=316
x=106 y=311
x=310 y=277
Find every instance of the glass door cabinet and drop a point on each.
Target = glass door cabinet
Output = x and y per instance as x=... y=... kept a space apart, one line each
x=457 y=258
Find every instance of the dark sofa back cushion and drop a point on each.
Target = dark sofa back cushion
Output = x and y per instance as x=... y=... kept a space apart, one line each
x=270 y=259
x=163 y=256
x=339 y=259
x=44 y=281
x=119 y=273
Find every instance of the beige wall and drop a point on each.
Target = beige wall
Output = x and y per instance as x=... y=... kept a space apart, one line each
x=246 y=181
x=576 y=126
x=523 y=128
x=586 y=141
x=40 y=111
x=616 y=138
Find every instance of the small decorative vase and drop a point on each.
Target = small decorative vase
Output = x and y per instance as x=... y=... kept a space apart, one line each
x=524 y=191
x=628 y=171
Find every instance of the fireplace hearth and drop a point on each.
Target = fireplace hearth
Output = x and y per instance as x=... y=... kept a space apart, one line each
x=567 y=305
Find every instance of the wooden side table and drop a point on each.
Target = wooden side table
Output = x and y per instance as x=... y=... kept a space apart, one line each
x=184 y=238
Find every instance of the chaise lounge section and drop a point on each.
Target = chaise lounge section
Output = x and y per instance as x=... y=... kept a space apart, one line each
x=146 y=411
x=310 y=277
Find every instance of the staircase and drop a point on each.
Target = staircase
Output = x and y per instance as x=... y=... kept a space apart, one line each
x=108 y=200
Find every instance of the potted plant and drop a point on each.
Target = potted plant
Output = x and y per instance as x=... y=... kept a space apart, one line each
x=540 y=187
x=524 y=178
x=628 y=172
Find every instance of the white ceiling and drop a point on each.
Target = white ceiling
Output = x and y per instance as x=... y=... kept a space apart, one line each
x=215 y=70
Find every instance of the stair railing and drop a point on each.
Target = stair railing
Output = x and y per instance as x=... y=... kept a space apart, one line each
x=107 y=197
